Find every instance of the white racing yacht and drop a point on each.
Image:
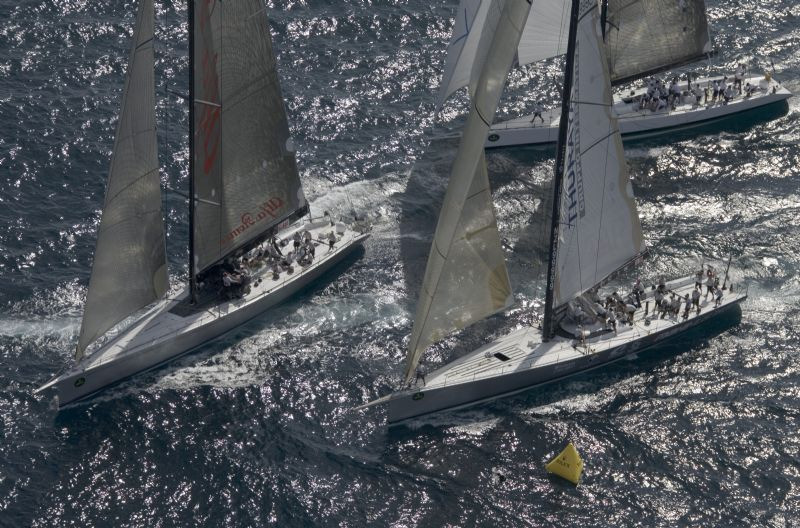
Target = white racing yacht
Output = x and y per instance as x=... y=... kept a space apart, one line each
x=245 y=193
x=596 y=234
x=641 y=38
x=768 y=99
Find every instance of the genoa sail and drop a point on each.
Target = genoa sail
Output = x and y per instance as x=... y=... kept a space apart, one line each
x=599 y=229
x=130 y=265
x=245 y=179
x=466 y=278
x=461 y=50
x=644 y=37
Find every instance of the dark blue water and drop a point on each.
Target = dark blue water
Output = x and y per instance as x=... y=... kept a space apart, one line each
x=256 y=428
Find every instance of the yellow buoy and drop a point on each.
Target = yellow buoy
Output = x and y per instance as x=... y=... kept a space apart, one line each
x=567 y=464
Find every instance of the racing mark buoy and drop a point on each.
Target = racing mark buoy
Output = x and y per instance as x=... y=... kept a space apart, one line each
x=567 y=464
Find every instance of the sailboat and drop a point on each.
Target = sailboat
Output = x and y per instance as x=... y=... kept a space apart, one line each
x=596 y=234
x=245 y=193
x=641 y=38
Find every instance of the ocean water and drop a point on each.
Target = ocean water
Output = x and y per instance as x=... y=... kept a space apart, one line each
x=257 y=429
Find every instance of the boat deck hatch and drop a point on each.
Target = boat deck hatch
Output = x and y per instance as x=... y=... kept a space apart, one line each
x=501 y=356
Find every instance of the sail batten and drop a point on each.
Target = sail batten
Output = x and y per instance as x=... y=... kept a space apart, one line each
x=244 y=157
x=130 y=265
x=466 y=278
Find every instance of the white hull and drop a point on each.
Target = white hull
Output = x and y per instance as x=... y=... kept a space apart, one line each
x=161 y=335
x=640 y=124
x=525 y=361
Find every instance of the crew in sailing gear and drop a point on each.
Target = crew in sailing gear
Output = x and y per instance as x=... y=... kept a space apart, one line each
x=687 y=306
x=538 y=108
x=419 y=374
x=638 y=293
x=698 y=95
x=698 y=278
x=630 y=311
x=676 y=306
x=738 y=77
x=331 y=241
x=710 y=286
x=275 y=248
x=696 y=297
x=718 y=297
x=728 y=94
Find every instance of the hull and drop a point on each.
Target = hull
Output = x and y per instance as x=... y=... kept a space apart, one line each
x=166 y=332
x=481 y=376
x=642 y=124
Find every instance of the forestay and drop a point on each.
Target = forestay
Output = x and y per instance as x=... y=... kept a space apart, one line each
x=466 y=278
x=130 y=264
x=644 y=37
x=246 y=179
x=599 y=229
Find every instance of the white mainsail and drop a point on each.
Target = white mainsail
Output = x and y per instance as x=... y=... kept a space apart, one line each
x=599 y=229
x=466 y=278
x=130 y=265
x=246 y=180
x=643 y=37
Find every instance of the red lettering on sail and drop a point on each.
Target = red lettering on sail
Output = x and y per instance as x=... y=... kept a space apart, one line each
x=267 y=210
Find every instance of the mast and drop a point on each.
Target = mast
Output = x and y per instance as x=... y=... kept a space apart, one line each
x=192 y=278
x=548 y=329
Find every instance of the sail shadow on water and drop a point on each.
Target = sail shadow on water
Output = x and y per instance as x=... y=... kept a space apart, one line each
x=512 y=179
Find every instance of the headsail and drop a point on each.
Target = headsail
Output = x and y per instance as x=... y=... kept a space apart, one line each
x=644 y=37
x=466 y=278
x=461 y=50
x=245 y=177
x=599 y=229
x=130 y=264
